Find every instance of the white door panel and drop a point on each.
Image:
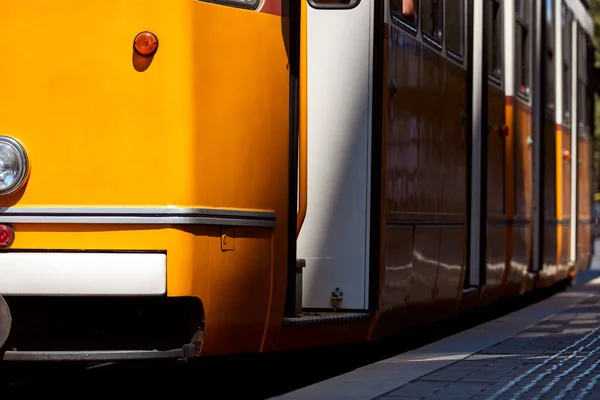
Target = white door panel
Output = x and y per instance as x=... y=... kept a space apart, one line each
x=334 y=237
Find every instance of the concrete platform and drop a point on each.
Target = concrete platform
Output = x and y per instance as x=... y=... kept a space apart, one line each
x=550 y=350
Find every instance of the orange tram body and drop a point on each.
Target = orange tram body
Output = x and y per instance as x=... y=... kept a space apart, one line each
x=185 y=178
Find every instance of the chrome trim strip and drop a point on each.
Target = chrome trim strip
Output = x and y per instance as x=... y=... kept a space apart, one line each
x=91 y=355
x=138 y=215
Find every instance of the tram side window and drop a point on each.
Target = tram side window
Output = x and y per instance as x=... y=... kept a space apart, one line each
x=550 y=92
x=566 y=37
x=454 y=27
x=567 y=93
x=582 y=79
x=432 y=19
x=522 y=46
x=405 y=11
x=590 y=75
x=494 y=37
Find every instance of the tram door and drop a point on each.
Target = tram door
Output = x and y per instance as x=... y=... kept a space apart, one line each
x=334 y=239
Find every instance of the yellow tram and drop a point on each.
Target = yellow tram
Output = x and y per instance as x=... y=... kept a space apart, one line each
x=187 y=178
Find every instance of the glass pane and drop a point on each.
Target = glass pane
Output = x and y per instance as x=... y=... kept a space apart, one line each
x=590 y=108
x=405 y=11
x=431 y=19
x=566 y=33
x=522 y=41
x=518 y=55
x=494 y=40
x=566 y=92
x=550 y=89
x=521 y=8
x=549 y=26
x=582 y=56
x=581 y=99
x=454 y=26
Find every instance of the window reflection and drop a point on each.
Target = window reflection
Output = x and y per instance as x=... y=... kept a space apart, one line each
x=432 y=17
x=405 y=11
x=454 y=26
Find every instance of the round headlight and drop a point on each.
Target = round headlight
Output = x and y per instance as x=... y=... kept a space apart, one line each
x=13 y=165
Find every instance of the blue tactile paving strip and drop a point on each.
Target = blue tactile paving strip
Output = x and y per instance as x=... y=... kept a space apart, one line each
x=550 y=350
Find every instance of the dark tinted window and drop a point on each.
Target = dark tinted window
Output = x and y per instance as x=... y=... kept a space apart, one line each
x=494 y=37
x=455 y=27
x=432 y=19
x=405 y=11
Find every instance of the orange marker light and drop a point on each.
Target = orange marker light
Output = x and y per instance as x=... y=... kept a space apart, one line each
x=145 y=43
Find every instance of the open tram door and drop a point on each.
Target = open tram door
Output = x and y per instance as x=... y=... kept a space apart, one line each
x=335 y=130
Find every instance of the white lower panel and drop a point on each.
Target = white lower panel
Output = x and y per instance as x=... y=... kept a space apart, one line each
x=82 y=274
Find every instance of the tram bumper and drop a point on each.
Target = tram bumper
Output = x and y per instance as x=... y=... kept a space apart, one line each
x=48 y=296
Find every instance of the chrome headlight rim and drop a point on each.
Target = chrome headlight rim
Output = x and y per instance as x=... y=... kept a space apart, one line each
x=23 y=174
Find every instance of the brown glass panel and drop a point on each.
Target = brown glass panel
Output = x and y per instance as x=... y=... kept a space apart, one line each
x=425 y=168
x=583 y=179
x=523 y=160
x=495 y=157
x=549 y=169
x=566 y=167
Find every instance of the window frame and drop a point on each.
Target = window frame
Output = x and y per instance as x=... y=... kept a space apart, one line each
x=427 y=37
x=416 y=30
x=498 y=80
x=567 y=43
x=413 y=28
x=451 y=53
x=550 y=60
x=524 y=24
x=583 y=82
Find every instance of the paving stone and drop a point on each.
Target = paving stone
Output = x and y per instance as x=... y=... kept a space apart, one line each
x=465 y=388
x=557 y=358
x=541 y=362
x=419 y=388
